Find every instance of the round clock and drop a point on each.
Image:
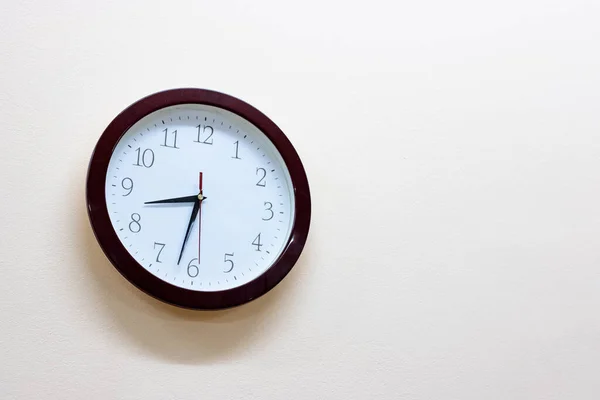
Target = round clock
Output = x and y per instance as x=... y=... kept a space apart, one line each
x=198 y=199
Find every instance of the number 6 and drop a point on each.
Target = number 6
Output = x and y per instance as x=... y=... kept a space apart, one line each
x=192 y=268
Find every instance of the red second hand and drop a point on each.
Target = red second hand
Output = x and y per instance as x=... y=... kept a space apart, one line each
x=199 y=215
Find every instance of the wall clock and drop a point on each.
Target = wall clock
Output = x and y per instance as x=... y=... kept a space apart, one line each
x=198 y=199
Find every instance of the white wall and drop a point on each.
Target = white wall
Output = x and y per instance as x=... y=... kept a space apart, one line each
x=453 y=151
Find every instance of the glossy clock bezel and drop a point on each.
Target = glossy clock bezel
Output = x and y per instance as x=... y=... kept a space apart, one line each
x=129 y=267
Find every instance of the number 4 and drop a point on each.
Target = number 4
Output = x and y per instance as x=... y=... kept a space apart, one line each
x=256 y=242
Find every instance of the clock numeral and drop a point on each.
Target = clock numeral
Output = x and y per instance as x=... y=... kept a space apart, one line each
x=146 y=157
x=203 y=129
x=162 y=246
x=261 y=181
x=166 y=131
x=192 y=270
x=134 y=225
x=256 y=242
x=129 y=185
x=225 y=259
x=237 y=147
x=269 y=208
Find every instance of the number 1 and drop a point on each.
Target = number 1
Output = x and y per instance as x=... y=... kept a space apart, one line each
x=237 y=147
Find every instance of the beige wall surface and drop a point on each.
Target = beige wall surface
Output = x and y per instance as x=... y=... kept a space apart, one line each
x=453 y=152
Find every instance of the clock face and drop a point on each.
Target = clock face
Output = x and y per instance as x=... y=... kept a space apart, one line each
x=198 y=199
x=238 y=207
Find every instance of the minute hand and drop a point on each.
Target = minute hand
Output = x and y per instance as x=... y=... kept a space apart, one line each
x=186 y=199
x=189 y=227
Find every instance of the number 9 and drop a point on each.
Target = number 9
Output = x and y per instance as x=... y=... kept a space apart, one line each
x=128 y=187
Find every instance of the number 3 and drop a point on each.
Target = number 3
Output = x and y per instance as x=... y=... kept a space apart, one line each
x=269 y=208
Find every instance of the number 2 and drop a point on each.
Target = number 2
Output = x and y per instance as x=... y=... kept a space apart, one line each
x=261 y=181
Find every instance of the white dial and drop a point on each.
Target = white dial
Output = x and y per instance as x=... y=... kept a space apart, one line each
x=217 y=161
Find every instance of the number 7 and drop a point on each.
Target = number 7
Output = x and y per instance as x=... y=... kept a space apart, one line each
x=162 y=246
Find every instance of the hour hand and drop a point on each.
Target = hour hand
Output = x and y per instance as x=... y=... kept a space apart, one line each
x=186 y=199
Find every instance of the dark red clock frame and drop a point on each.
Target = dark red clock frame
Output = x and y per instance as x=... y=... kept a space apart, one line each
x=131 y=269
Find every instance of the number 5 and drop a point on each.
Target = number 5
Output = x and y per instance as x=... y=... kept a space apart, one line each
x=228 y=261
